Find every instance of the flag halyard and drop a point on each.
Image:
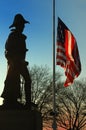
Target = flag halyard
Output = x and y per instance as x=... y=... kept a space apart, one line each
x=67 y=53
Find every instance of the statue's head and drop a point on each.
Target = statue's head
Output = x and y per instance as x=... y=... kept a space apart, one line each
x=18 y=20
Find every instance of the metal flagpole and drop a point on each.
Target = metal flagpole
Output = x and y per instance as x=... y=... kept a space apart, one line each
x=53 y=55
x=54 y=125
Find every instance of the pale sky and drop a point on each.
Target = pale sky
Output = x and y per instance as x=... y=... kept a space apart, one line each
x=39 y=32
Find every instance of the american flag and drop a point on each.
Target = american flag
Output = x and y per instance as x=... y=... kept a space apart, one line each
x=67 y=53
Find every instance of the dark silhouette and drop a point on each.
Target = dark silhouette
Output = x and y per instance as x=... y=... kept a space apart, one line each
x=15 y=53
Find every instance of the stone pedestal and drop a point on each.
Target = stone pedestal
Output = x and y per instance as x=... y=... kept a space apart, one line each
x=20 y=120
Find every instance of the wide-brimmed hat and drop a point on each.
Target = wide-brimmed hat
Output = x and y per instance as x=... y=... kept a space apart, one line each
x=18 y=19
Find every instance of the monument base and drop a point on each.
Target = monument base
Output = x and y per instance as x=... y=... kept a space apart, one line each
x=20 y=120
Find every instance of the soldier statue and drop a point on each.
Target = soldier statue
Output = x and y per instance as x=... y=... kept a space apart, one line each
x=15 y=53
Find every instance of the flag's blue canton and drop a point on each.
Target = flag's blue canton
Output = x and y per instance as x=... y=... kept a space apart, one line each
x=60 y=33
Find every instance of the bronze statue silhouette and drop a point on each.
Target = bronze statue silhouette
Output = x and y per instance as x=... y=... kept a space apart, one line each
x=15 y=53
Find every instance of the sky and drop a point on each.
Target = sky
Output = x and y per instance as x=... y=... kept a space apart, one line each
x=40 y=31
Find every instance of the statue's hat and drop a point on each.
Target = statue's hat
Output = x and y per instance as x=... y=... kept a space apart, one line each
x=18 y=19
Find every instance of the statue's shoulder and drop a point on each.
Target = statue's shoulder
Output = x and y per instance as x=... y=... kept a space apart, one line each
x=12 y=34
x=16 y=34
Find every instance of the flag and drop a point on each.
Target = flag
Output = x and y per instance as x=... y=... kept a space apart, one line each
x=67 y=53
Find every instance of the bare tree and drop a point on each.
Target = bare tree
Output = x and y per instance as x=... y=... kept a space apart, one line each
x=42 y=90
x=70 y=101
x=71 y=107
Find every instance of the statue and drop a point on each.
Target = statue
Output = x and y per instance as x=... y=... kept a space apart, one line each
x=15 y=53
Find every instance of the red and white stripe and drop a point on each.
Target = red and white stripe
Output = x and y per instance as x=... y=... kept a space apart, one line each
x=68 y=57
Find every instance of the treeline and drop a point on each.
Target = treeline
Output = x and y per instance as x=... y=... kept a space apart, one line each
x=70 y=101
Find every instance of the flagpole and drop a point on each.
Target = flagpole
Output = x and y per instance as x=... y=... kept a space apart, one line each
x=54 y=55
x=54 y=125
